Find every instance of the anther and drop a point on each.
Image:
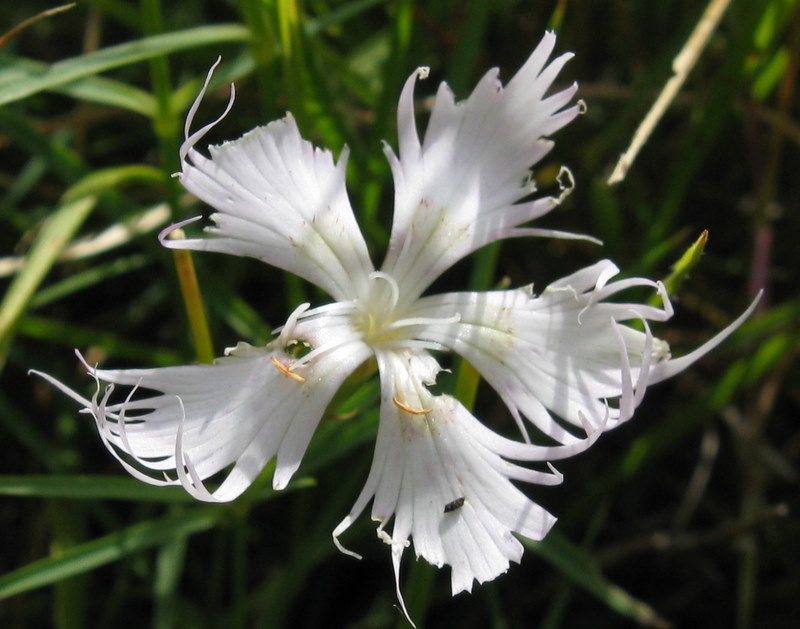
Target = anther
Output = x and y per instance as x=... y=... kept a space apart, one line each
x=408 y=409
x=285 y=370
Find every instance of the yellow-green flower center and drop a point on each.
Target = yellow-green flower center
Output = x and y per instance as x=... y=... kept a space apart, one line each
x=378 y=312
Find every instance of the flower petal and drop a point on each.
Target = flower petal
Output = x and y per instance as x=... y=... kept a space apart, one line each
x=559 y=357
x=669 y=368
x=249 y=407
x=281 y=200
x=458 y=189
x=446 y=480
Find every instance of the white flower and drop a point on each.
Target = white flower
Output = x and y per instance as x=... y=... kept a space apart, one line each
x=563 y=360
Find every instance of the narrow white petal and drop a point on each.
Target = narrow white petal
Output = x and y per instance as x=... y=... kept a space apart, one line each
x=458 y=189
x=559 y=357
x=447 y=486
x=669 y=368
x=281 y=200
x=239 y=413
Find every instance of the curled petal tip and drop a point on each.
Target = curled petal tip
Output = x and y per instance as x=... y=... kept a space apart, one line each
x=558 y=475
x=593 y=432
x=668 y=368
x=164 y=234
x=192 y=138
x=340 y=547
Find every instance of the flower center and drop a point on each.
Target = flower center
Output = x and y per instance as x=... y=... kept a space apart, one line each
x=384 y=317
x=378 y=313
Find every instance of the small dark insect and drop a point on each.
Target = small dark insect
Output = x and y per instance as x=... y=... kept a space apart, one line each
x=455 y=504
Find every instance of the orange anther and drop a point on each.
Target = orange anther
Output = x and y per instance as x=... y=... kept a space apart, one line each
x=408 y=409
x=285 y=370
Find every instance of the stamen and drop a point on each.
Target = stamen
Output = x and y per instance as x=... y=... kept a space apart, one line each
x=285 y=370
x=402 y=323
x=408 y=409
x=287 y=328
x=336 y=308
x=392 y=285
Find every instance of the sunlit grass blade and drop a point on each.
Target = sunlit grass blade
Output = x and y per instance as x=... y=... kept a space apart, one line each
x=682 y=65
x=91 y=276
x=17 y=81
x=94 y=89
x=104 y=179
x=708 y=117
x=91 y=245
x=52 y=238
x=681 y=269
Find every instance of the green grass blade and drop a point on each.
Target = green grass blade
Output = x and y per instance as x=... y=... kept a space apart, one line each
x=70 y=596
x=93 y=89
x=575 y=563
x=17 y=81
x=55 y=234
x=21 y=433
x=170 y=564
x=100 y=487
x=337 y=16
x=84 y=280
x=90 y=555
x=90 y=488
x=70 y=335
x=52 y=149
x=103 y=179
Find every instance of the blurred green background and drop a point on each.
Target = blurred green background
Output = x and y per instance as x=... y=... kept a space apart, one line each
x=686 y=516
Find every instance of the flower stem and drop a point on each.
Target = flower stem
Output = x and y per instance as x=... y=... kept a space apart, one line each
x=192 y=299
x=167 y=129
